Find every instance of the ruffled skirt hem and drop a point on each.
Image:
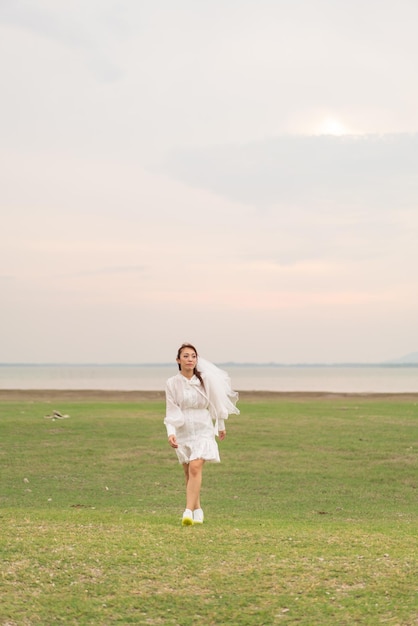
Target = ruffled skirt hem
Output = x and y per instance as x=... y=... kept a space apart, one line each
x=206 y=449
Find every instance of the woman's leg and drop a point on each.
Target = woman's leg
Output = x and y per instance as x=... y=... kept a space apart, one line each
x=186 y=472
x=193 y=475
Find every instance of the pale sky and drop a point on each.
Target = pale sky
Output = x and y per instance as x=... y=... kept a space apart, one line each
x=238 y=174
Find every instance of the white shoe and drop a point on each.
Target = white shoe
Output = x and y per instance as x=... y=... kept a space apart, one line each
x=198 y=516
x=187 y=518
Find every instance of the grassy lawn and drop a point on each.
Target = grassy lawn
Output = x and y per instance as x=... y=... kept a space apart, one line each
x=311 y=518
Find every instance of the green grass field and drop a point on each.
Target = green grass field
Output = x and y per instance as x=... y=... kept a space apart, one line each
x=311 y=518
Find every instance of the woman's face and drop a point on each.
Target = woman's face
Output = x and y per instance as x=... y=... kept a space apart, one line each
x=187 y=361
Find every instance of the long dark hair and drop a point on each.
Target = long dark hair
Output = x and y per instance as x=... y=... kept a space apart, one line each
x=195 y=371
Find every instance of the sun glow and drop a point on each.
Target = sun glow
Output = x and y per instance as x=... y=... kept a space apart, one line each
x=331 y=126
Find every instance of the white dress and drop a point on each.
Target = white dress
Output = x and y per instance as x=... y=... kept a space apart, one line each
x=194 y=416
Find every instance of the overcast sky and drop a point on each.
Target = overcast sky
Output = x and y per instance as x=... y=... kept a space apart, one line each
x=241 y=174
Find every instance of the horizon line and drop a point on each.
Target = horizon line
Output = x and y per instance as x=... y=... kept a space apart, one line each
x=219 y=363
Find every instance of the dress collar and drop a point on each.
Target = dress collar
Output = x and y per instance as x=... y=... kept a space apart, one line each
x=190 y=381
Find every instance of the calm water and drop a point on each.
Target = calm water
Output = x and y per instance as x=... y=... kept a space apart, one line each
x=358 y=379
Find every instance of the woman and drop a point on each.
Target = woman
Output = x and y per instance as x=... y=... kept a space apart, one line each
x=199 y=400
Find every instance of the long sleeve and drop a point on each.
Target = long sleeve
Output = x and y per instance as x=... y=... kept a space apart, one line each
x=174 y=416
x=170 y=429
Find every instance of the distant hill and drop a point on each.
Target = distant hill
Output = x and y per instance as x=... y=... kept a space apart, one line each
x=412 y=357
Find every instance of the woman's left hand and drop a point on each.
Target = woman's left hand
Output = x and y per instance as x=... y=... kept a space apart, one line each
x=222 y=435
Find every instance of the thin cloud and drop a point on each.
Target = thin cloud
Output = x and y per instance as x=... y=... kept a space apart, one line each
x=127 y=269
x=308 y=172
x=70 y=28
x=55 y=25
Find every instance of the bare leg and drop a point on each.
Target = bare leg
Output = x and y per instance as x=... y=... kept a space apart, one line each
x=193 y=475
x=186 y=473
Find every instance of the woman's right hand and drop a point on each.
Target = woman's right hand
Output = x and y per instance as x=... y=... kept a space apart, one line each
x=173 y=441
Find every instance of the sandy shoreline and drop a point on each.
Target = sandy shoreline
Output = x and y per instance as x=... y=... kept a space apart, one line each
x=97 y=395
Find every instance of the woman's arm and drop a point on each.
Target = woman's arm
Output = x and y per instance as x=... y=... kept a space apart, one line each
x=174 y=417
